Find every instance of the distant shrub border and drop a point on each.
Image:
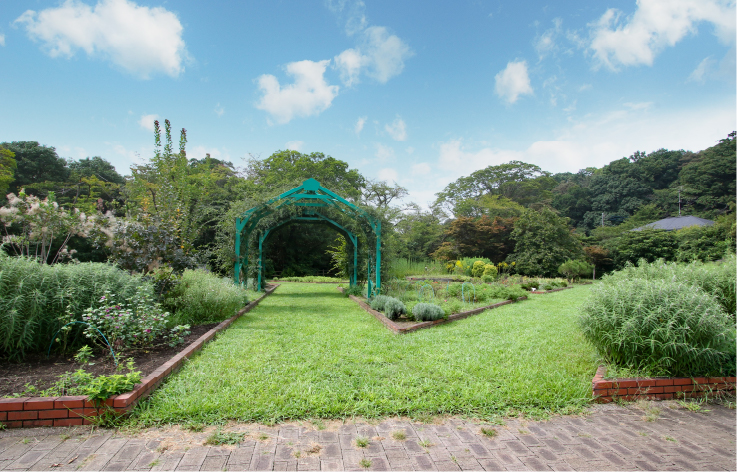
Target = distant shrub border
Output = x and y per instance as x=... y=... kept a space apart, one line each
x=76 y=410
x=658 y=388
x=423 y=324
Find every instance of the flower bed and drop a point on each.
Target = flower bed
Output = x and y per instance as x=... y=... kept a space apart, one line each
x=76 y=410
x=659 y=388
x=407 y=327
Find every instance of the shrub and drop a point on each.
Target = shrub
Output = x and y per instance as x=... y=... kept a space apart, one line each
x=487 y=279
x=452 y=306
x=203 y=297
x=575 y=269
x=490 y=270
x=379 y=302
x=427 y=312
x=394 y=308
x=36 y=300
x=355 y=290
x=477 y=270
x=665 y=327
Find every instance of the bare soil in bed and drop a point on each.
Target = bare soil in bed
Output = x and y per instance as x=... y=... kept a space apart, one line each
x=42 y=372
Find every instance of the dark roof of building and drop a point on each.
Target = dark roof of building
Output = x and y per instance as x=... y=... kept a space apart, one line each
x=676 y=222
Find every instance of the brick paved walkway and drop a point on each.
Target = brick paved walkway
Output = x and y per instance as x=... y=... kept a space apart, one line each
x=645 y=436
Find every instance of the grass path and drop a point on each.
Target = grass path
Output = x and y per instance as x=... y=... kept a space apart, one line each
x=308 y=352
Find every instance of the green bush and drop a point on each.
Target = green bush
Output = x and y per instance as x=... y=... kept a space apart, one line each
x=487 y=279
x=36 y=300
x=452 y=306
x=355 y=290
x=477 y=270
x=717 y=279
x=665 y=327
x=575 y=269
x=394 y=308
x=490 y=270
x=202 y=297
x=379 y=302
x=427 y=312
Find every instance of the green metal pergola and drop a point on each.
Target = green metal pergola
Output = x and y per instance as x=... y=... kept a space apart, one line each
x=311 y=195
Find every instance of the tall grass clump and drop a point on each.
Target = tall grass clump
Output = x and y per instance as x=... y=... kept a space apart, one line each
x=715 y=278
x=402 y=267
x=37 y=299
x=202 y=297
x=660 y=327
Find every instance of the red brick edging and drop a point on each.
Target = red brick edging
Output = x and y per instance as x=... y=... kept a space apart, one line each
x=658 y=388
x=72 y=410
x=424 y=324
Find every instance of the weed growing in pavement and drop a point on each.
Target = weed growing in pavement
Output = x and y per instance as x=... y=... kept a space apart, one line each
x=425 y=443
x=365 y=463
x=362 y=441
x=219 y=438
x=488 y=432
x=399 y=435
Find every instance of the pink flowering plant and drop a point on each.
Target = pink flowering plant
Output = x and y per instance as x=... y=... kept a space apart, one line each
x=139 y=322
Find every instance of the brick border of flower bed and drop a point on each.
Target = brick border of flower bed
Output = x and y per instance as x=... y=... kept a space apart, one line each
x=543 y=292
x=74 y=410
x=424 y=324
x=658 y=388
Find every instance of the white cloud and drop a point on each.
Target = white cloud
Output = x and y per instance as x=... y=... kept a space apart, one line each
x=359 y=125
x=384 y=153
x=513 y=81
x=596 y=140
x=397 y=129
x=423 y=168
x=295 y=145
x=388 y=174
x=2 y=39
x=381 y=56
x=352 y=12
x=309 y=95
x=409 y=150
x=386 y=53
x=656 y=24
x=219 y=110
x=200 y=152
x=349 y=64
x=147 y=121
x=702 y=70
x=545 y=43
x=139 y=39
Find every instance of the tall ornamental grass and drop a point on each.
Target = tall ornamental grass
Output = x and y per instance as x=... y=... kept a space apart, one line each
x=402 y=267
x=36 y=300
x=662 y=325
x=717 y=279
x=202 y=297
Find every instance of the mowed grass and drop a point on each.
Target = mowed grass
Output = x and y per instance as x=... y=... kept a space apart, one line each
x=308 y=352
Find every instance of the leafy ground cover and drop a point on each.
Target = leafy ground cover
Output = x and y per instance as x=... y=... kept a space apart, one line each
x=308 y=352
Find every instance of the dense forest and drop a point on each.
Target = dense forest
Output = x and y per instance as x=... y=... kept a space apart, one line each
x=178 y=212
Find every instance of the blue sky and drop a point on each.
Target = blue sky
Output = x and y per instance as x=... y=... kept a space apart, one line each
x=419 y=93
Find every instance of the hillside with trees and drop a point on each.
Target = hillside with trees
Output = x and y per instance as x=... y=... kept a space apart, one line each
x=173 y=211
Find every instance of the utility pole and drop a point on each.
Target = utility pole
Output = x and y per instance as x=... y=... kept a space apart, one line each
x=602 y=218
x=679 y=201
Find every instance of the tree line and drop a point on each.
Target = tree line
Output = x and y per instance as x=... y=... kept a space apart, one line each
x=177 y=212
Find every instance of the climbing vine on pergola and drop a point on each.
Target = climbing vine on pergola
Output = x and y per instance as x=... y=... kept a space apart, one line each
x=307 y=203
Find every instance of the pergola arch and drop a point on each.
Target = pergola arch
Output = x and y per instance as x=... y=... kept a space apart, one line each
x=308 y=198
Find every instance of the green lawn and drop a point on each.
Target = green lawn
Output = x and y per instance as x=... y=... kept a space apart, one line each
x=308 y=352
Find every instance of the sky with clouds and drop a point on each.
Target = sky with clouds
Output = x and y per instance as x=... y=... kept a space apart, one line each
x=416 y=92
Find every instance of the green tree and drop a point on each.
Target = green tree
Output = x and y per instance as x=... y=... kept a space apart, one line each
x=516 y=180
x=419 y=233
x=478 y=237
x=543 y=242
x=7 y=170
x=36 y=164
x=648 y=244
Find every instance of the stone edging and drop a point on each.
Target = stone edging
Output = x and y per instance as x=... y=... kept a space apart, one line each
x=657 y=388
x=74 y=410
x=424 y=324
